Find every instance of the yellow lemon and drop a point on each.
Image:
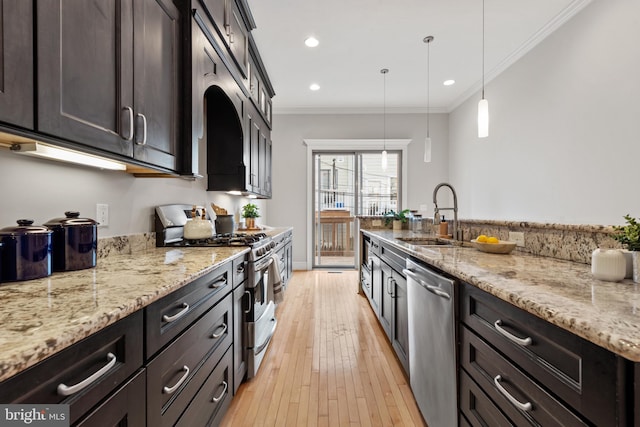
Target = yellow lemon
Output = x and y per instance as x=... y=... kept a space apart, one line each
x=481 y=238
x=492 y=240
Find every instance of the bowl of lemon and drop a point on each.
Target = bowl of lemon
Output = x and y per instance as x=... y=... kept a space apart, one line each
x=493 y=245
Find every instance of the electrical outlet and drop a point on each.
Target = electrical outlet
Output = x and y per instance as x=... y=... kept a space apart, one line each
x=423 y=208
x=376 y=223
x=102 y=214
x=518 y=237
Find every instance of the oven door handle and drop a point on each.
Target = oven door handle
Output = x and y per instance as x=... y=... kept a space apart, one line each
x=263 y=346
x=265 y=264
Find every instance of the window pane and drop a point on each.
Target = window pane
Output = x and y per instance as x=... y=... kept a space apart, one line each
x=379 y=190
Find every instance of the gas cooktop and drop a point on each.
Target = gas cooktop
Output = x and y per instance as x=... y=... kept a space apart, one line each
x=235 y=239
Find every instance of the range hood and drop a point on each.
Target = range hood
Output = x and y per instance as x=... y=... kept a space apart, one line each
x=227 y=150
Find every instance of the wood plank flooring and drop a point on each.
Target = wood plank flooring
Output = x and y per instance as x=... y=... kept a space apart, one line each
x=328 y=364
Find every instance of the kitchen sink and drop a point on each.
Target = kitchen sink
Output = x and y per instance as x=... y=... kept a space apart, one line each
x=427 y=241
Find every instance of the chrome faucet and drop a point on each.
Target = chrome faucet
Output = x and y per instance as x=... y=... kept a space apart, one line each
x=436 y=213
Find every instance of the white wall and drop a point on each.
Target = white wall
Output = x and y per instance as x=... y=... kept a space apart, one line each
x=42 y=190
x=564 y=138
x=288 y=205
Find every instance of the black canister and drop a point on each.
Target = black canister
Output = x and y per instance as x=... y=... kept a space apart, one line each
x=26 y=252
x=75 y=242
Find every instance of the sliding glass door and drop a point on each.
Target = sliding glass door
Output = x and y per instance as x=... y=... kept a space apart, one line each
x=347 y=184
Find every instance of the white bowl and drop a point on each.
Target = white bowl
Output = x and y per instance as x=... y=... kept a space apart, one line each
x=502 y=247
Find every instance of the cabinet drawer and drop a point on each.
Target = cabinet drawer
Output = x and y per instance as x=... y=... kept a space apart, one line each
x=168 y=317
x=211 y=403
x=476 y=408
x=580 y=373
x=39 y=384
x=492 y=371
x=186 y=363
x=396 y=260
x=239 y=270
x=123 y=408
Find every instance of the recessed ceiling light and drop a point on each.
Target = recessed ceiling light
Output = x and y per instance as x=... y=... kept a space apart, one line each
x=449 y=82
x=314 y=86
x=311 y=42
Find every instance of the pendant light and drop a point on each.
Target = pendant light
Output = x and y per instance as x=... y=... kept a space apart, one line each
x=483 y=105
x=427 y=140
x=384 y=72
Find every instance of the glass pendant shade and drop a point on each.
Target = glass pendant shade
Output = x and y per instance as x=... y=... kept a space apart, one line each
x=483 y=118
x=384 y=160
x=427 y=150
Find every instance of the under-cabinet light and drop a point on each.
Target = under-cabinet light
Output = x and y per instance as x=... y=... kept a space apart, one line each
x=235 y=193
x=449 y=82
x=38 y=149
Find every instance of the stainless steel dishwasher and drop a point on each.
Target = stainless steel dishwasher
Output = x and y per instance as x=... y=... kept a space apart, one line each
x=432 y=351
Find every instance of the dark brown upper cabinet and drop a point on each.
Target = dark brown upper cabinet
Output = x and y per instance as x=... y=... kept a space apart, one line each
x=16 y=62
x=108 y=76
x=230 y=25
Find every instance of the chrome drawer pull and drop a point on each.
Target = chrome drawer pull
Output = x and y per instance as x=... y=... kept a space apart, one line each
x=522 y=406
x=240 y=269
x=249 y=299
x=520 y=341
x=224 y=391
x=219 y=283
x=185 y=308
x=224 y=329
x=169 y=390
x=64 y=390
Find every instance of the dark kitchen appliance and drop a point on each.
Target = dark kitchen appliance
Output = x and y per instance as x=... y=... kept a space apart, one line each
x=74 y=242
x=26 y=251
x=260 y=320
x=224 y=224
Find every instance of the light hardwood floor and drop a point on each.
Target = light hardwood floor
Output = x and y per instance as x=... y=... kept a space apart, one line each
x=328 y=364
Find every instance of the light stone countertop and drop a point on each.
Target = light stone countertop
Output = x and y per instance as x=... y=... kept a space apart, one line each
x=561 y=292
x=38 y=318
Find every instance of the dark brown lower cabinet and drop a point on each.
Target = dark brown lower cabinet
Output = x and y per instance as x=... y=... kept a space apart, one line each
x=213 y=399
x=536 y=373
x=124 y=408
x=176 y=375
x=116 y=351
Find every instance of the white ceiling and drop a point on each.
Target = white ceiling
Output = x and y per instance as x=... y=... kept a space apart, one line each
x=360 y=37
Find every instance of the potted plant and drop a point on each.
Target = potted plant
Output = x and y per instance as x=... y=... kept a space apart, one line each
x=629 y=236
x=250 y=213
x=398 y=218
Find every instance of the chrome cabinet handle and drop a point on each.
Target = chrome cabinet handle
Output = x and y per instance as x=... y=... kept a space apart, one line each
x=130 y=136
x=248 y=310
x=219 y=283
x=144 y=130
x=231 y=37
x=522 y=406
x=520 y=341
x=240 y=269
x=169 y=390
x=185 y=308
x=224 y=391
x=65 y=390
x=224 y=329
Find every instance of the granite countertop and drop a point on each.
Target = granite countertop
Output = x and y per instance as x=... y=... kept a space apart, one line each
x=563 y=293
x=40 y=317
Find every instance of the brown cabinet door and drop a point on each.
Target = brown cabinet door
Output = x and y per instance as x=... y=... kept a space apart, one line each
x=400 y=340
x=16 y=62
x=238 y=38
x=385 y=313
x=156 y=80
x=85 y=72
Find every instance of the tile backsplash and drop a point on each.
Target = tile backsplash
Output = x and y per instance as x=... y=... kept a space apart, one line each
x=562 y=241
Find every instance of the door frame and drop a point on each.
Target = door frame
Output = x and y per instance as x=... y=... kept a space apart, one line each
x=348 y=145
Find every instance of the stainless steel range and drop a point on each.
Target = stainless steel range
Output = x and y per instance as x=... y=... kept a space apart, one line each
x=260 y=319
